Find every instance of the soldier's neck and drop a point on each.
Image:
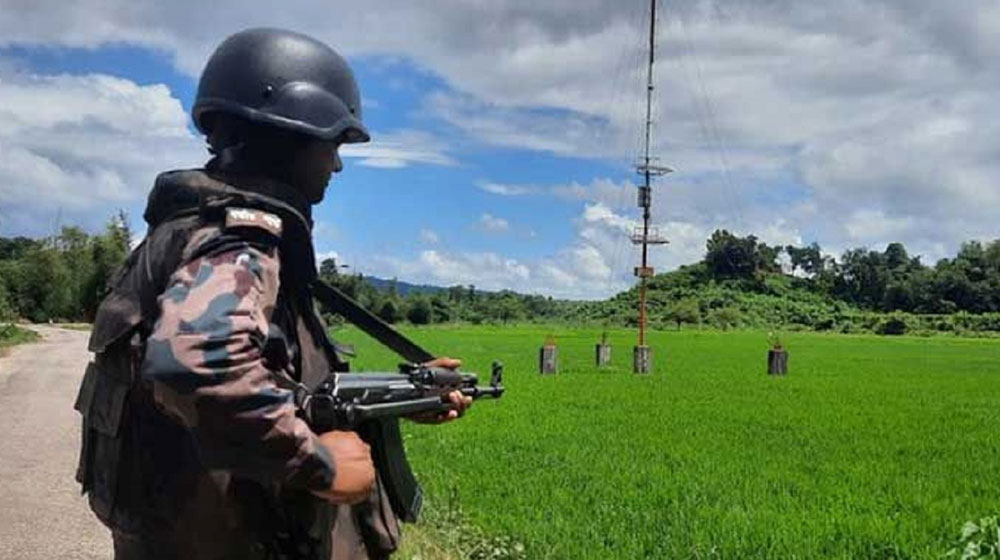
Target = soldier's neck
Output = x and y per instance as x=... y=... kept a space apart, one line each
x=262 y=177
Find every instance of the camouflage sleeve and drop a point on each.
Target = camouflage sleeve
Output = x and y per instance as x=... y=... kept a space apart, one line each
x=204 y=359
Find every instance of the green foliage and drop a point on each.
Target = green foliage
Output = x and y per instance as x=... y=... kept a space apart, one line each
x=684 y=311
x=863 y=451
x=454 y=304
x=6 y=311
x=63 y=277
x=739 y=284
x=48 y=291
x=729 y=256
x=389 y=311
x=12 y=334
x=979 y=539
x=441 y=311
x=894 y=324
x=809 y=259
x=418 y=311
x=724 y=317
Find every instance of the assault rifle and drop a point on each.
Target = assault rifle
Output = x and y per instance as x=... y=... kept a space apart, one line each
x=372 y=403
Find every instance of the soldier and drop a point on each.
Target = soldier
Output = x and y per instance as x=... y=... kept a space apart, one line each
x=192 y=448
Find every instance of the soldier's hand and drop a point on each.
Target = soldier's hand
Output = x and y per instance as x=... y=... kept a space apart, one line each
x=355 y=472
x=459 y=402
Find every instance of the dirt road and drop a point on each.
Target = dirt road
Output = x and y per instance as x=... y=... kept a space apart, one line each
x=42 y=514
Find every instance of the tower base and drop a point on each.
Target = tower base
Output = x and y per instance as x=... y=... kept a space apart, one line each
x=602 y=355
x=548 y=360
x=642 y=359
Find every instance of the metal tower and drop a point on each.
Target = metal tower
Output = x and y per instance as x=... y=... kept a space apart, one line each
x=646 y=235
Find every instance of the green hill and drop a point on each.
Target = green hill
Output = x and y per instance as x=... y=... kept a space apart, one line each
x=691 y=296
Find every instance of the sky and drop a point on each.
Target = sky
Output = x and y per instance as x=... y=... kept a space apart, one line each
x=504 y=132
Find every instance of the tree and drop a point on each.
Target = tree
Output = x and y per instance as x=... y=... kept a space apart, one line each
x=6 y=309
x=809 y=259
x=47 y=290
x=440 y=310
x=724 y=317
x=419 y=310
x=388 y=311
x=896 y=256
x=456 y=294
x=862 y=278
x=328 y=269
x=730 y=257
x=108 y=253
x=16 y=247
x=684 y=311
x=507 y=308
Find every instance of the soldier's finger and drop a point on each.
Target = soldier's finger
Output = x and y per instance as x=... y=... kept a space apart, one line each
x=445 y=362
x=462 y=402
x=457 y=403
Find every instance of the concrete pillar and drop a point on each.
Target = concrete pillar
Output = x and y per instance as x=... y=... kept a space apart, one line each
x=642 y=359
x=548 y=360
x=602 y=354
x=777 y=362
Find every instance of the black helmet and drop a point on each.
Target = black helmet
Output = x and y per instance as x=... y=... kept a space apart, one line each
x=283 y=79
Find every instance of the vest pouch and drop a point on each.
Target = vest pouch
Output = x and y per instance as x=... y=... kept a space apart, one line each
x=101 y=401
x=377 y=522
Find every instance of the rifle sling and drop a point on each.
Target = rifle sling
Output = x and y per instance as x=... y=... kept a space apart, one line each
x=335 y=301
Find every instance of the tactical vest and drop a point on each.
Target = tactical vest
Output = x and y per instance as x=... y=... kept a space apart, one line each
x=139 y=468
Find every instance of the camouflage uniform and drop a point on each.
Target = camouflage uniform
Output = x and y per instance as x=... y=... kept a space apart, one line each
x=192 y=447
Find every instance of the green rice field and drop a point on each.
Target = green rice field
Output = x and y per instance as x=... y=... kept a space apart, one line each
x=871 y=447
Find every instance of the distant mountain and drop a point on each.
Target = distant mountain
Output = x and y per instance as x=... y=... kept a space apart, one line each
x=403 y=288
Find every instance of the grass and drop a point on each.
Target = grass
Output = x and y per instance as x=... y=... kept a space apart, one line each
x=872 y=447
x=12 y=334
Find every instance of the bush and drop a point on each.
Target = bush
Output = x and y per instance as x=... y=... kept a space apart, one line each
x=724 y=317
x=825 y=324
x=388 y=311
x=894 y=325
x=419 y=312
x=6 y=310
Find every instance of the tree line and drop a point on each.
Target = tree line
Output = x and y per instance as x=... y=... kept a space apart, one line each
x=740 y=281
x=62 y=277
x=459 y=303
x=887 y=280
x=743 y=282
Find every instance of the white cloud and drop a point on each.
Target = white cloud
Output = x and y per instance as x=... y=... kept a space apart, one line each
x=491 y=223
x=607 y=192
x=80 y=147
x=485 y=270
x=393 y=150
x=504 y=190
x=866 y=225
x=878 y=106
x=597 y=263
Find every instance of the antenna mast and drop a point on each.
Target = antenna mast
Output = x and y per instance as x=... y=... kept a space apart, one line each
x=646 y=235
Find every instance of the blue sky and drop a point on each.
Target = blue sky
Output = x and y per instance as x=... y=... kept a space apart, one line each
x=503 y=133
x=375 y=210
